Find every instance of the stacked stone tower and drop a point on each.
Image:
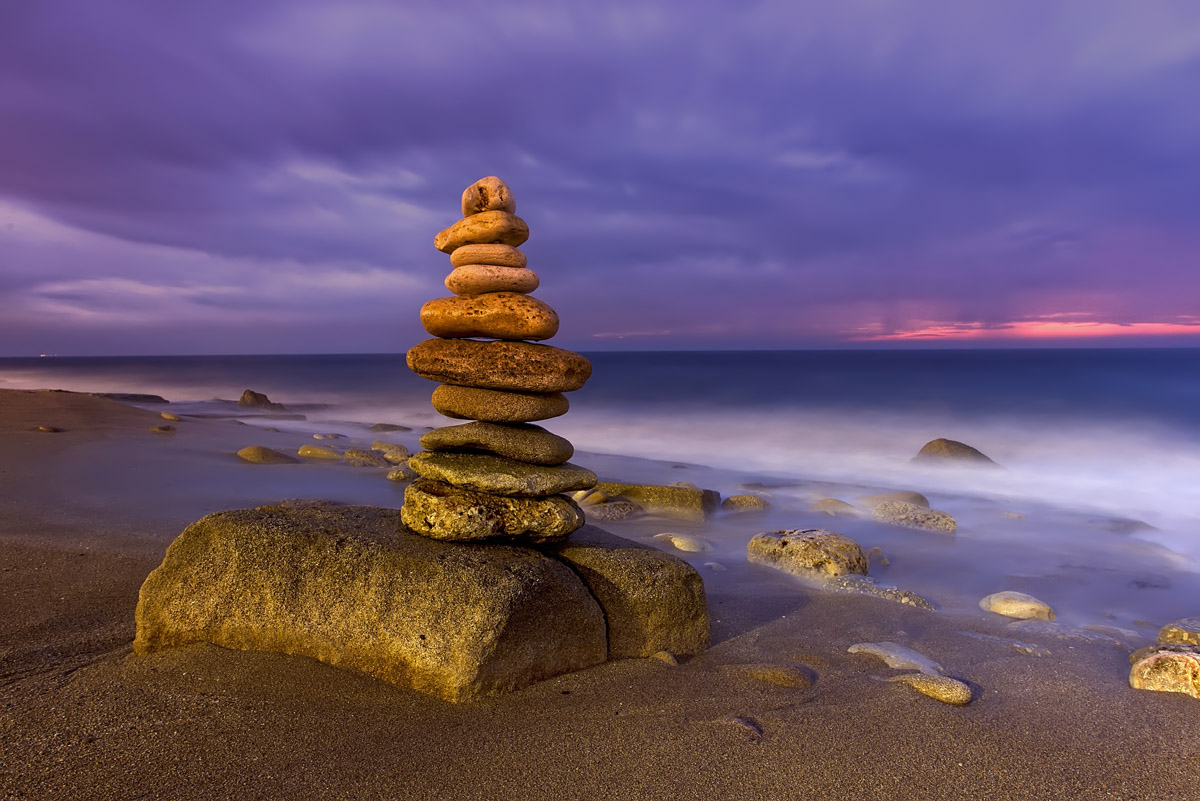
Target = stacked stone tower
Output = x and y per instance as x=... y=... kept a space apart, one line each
x=499 y=476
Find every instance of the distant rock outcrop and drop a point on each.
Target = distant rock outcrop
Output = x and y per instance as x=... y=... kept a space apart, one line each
x=257 y=400
x=948 y=450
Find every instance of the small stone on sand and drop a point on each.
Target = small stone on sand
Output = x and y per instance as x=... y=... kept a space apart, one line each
x=1017 y=605
x=170 y=416
x=943 y=688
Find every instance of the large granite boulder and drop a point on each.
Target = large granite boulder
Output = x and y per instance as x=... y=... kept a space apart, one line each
x=352 y=587
x=681 y=503
x=653 y=601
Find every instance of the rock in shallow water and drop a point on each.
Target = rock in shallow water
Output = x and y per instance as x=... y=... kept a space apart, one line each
x=350 y=587
x=497 y=406
x=896 y=655
x=909 y=515
x=510 y=366
x=684 y=542
x=745 y=503
x=808 y=552
x=903 y=496
x=525 y=443
x=681 y=503
x=833 y=507
x=501 y=476
x=1017 y=605
x=317 y=452
x=445 y=512
x=949 y=450
x=1184 y=631
x=257 y=454
x=653 y=601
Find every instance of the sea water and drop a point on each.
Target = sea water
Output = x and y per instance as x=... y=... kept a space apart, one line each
x=1099 y=449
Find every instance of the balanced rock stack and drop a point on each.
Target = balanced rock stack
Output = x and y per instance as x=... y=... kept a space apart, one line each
x=498 y=477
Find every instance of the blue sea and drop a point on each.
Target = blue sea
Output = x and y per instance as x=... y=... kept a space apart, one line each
x=1109 y=433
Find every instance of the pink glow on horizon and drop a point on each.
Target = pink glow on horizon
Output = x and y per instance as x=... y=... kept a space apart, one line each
x=1035 y=329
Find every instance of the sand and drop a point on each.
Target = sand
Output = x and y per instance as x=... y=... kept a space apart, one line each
x=88 y=512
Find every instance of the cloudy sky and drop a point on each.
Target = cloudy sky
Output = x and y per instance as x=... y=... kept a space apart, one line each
x=267 y=177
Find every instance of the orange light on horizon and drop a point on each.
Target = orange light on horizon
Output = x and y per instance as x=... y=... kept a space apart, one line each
x=1033 y=329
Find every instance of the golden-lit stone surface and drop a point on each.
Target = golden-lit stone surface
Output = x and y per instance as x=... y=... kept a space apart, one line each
x=475 y=279
x=513 y=366
x=498 y=315
x=498 y=406
x=497 y=255
x=445 y=512
x=485 y=228
x=488 y=194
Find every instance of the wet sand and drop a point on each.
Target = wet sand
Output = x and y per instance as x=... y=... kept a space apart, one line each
x=88 y=512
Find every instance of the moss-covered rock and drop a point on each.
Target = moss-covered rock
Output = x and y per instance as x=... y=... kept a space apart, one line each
x=352 y=587
x=653 y=601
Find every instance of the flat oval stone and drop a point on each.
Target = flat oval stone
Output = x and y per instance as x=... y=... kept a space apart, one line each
x=498 y=255
x=444 y=512
x=497 y=406
x=499 y=315
x=475 y=279
x=488 y=194
x=500 y=476
x=513 y=366
x=485 y=228
x=1016 y=604
x=943 y=688
x=526 y=443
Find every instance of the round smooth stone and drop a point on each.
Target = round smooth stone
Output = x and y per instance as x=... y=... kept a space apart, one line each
x=482 y=472
x=527 y=443
x=497 y=255
x=498 y=315
x=496 y=406
x=475 y=279
x=485 y=228
x=488 y=194
x=512 y=366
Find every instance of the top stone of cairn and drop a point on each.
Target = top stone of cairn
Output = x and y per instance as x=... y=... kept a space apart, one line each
x=488 y=194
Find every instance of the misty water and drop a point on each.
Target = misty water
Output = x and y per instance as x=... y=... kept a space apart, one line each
x=1096 y=508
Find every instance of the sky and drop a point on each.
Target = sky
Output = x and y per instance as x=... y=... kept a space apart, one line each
x=268 y=177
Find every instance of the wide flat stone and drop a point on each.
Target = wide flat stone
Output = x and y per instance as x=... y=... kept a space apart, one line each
x=1016 y=605
x=257 y=454
x=352 y=587
x=525 y=443
x=445 y=512
x=910 y=515
x=512 y=366
x=488 y=194
x=475 y=279
x=808 y=552
x=499 y=255
x=496 y=474
x=680 y=503
x=497 y=406
x=485 y=228
x=653 y=601
x=499 y=315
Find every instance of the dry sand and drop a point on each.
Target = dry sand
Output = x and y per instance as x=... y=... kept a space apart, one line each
x=88 y=512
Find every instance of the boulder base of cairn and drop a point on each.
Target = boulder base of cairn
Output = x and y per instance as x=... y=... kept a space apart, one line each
x=497 y=406
x=496 y=474
x=526 y=443
x=653 y=601
x=511 y=366
x=350 y=586
x=445 y=512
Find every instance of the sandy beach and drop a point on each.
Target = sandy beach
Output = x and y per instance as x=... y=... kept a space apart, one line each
x=88 y=512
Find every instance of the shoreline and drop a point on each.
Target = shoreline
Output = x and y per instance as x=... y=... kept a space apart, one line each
x=90 y=510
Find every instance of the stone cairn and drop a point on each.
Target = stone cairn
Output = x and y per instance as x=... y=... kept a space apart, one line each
x=499 y=476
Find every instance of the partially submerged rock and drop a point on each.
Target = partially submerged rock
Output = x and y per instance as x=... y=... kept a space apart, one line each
x=653 y=601
x=896 y=655
x=319 y=452
x=681 y=503
x=257 y=454
x=350 y=587
x=833 y=507
x=361 y=458
x=948 y=450
x=910 y=515
x=257 y=400
x=745 y=503
x=903 y=496
x=1017 y=605
x=1184 y=631
x=613 y=510
x=808 y=552
x=687 y=543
